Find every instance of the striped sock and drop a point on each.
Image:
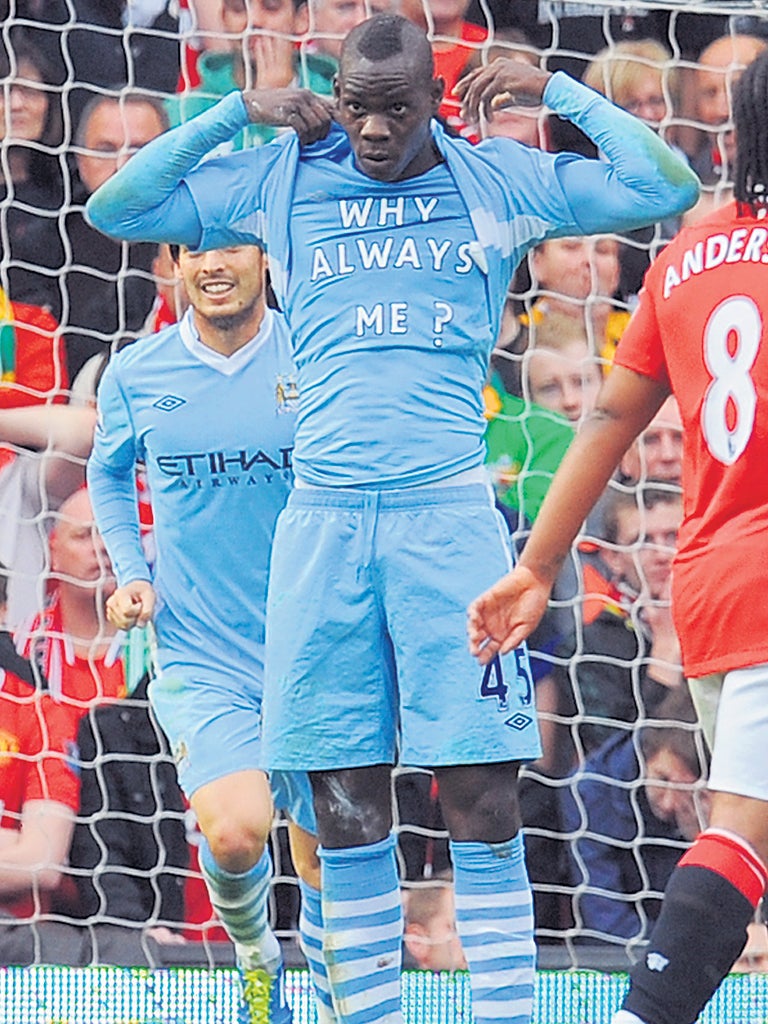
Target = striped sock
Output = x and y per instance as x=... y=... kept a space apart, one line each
x=363 y=918
x=494 y=917
x=311 y=942
x=241 y=901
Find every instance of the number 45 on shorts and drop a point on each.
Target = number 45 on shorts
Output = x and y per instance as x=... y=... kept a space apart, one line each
x=493 y=683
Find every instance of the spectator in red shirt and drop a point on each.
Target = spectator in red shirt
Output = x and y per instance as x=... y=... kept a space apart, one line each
x=32 y=362
x=78 y=651
x=39 y=794
x=38 y=797
x=454 y=42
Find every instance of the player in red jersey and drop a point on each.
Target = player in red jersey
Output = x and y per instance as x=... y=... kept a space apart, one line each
x=701 y=333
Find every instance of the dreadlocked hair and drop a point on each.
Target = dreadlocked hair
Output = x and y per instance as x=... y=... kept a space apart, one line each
x=750 y=115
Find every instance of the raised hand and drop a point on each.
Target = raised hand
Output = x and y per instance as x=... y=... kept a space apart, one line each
x=272 y=56
x=504 y=82
x=656 y=613
x=307 y=113
x=131 y=605
x=506 y=614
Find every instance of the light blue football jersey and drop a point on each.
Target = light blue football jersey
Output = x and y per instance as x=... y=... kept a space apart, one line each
x=387 y=299
x=393 y=290
x=216 y=436
x=391 y=329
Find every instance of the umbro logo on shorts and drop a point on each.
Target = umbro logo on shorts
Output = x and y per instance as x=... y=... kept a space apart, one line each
x=169 y=402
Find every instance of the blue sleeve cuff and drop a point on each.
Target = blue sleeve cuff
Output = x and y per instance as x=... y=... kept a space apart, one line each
x=567 y=96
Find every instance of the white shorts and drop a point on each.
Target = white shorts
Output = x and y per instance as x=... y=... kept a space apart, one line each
x=733 y=711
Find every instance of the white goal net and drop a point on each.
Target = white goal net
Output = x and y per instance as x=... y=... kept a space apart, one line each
x=83 y=85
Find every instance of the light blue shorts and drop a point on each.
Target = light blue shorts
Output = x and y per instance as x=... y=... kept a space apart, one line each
x=367 y=651
x=214 y=729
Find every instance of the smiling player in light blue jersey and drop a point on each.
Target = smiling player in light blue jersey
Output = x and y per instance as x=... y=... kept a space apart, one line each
x=391 y=247
x=215 y=434
x=208 y=407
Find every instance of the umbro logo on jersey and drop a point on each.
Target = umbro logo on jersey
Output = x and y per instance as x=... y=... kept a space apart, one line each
x=169 y=402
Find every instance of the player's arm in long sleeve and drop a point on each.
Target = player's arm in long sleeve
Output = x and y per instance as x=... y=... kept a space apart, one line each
x=147 y=200
x=507 y=613
x=111 y=473
x=641 y=178
x=639 y=181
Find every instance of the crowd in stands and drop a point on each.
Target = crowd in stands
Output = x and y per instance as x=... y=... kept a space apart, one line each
x=97 y=846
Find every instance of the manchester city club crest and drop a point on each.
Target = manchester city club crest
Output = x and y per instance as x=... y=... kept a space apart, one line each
x=286 y=393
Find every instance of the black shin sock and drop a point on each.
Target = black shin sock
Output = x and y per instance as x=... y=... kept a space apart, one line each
x=699 y=935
